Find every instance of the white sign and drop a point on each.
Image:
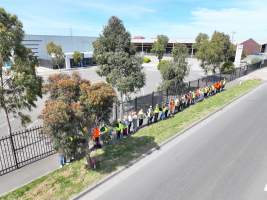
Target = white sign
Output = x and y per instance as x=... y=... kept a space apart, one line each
x=238 y=55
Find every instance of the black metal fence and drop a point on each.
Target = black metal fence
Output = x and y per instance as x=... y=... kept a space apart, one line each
x=160 y=97
x=27 y=146
x=24 y=147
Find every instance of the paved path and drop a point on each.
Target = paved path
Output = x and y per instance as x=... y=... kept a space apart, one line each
x=28 y=173
x=222 y=158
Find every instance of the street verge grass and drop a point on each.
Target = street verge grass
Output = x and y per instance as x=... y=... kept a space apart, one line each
x=72 y=179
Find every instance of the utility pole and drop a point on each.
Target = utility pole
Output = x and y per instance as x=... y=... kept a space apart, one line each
x=232 y=39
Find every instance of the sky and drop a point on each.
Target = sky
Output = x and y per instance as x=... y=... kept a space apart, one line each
x=179 y=19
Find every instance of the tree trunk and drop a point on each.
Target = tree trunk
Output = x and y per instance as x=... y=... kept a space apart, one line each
x=3 y=105
x=90 y=163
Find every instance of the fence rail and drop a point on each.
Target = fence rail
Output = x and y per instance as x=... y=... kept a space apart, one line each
x=160 y=97
x=27 y=146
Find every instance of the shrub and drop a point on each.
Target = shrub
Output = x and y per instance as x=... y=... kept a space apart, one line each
x=146 y=60
x=227 y=68
x=163 y=64
x=256 y=60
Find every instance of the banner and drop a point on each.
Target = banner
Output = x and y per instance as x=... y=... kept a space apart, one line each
x=238 y=55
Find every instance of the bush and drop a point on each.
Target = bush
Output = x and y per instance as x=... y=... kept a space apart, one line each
x=163 y=64
x=227 y=68
x=146 y=60
x=256 y=60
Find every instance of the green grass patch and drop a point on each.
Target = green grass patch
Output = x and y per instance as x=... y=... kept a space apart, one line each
x=72 y=179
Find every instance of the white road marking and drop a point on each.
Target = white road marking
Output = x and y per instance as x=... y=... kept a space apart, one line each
x=265 y=189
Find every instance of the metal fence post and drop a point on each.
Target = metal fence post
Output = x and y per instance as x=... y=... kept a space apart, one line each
x=152 y=100
x=116 y=111
x=135 y=104
x=14 y=151
x=167 y=94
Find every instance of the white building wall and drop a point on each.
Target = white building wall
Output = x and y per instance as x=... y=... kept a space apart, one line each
x=68 y=43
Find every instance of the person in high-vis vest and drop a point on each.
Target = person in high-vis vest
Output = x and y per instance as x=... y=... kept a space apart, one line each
x=96 y=137
x=105 y=135
x=156 y=113
x=166 y=111
x=141 y=117
x=119 y=129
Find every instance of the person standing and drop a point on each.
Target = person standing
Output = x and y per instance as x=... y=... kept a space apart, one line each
x=125 y=125
x=156 y=113
x=62 y=159
x=177 y=104
x=141 y=117
x=96 y=136
x=150 y=115
x=166 y=111
x=130 y=121
x=134 y=115
x=172 y=107
x=118 y=129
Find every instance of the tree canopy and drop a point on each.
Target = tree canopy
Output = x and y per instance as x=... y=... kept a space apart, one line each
x=160 y=45
x=215 y=51
x=174 y=71
x=78 y=57
x=56 y=52
x=116 y=58
x=19 y=86
x=75 y=106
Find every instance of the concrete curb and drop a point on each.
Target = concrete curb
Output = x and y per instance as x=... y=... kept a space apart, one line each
x=102 y=181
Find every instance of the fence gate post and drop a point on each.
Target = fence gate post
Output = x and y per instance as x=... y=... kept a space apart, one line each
x=14 y=151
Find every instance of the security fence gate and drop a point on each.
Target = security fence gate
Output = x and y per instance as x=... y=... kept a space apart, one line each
x=24 y=147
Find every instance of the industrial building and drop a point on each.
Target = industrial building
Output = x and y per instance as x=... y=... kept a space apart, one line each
x=264 y=48
x=37 y=43
x=144 y=45
x=83 y=44
x=251 y=47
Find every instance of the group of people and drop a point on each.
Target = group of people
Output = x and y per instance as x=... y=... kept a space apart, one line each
x=136 y=120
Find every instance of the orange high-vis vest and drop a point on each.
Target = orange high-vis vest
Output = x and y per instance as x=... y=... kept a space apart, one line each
x=96 y=133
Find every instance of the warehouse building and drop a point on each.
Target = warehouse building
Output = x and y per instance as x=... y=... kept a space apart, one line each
x=144 y=45
x=37 y=43
x=84 y=44
x=264 y=48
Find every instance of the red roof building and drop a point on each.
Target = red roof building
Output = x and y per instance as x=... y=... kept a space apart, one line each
x=251 y=47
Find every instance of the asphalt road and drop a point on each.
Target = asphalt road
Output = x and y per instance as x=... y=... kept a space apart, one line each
x=222 y=158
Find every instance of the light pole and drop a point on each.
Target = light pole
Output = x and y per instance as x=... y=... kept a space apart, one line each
x=233 y=33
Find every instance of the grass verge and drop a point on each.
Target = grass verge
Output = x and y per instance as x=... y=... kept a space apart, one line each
x=72 y=179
